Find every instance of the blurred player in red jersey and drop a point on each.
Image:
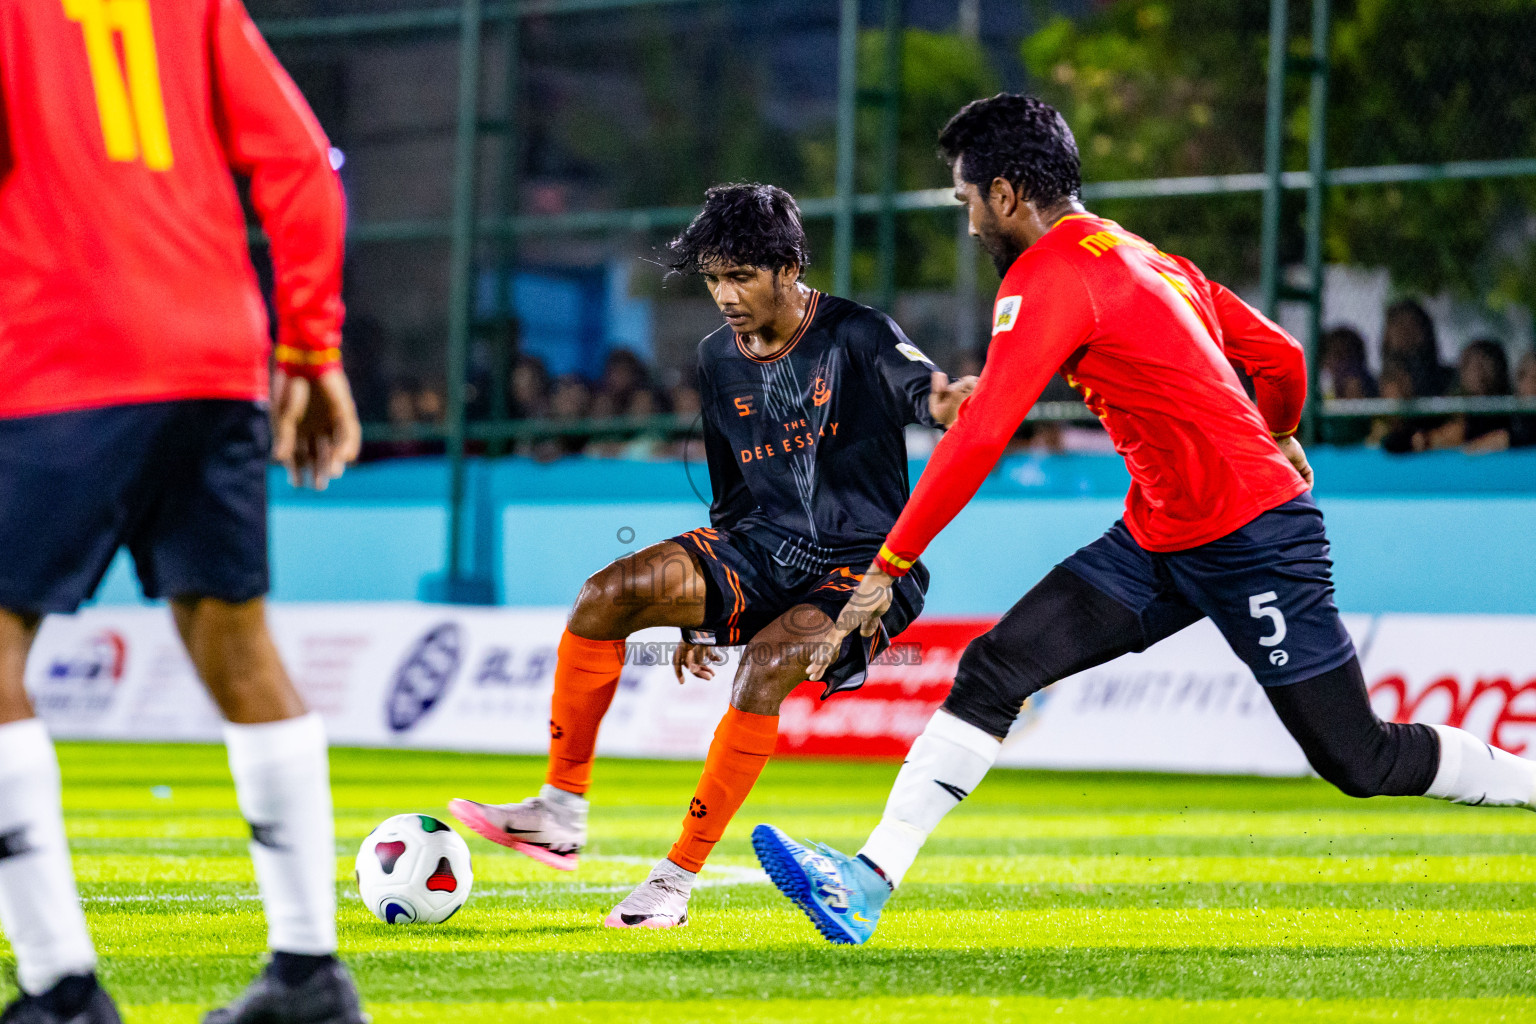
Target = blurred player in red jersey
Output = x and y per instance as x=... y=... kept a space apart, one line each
x=1219 y=522
x=134 y=373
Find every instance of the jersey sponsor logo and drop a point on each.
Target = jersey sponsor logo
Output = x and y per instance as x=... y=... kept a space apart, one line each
x=912 y=352
x=744 y=406
x=821 y=394
x=787 y=445
x=1007 y=313
x=129 y=101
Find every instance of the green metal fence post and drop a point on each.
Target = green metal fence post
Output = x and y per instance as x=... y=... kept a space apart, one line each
x=847 y=146
x=505 y=327
x=1317 y=194
x=460 y=269
x=890 y=151
x=1274 y=156
x=969 y=27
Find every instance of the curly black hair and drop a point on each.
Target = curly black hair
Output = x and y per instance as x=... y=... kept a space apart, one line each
x=1018 y=138
x=744 y=224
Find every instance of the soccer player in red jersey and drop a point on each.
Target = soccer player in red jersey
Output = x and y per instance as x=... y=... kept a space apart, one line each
x=134 y=380
x=1219 y=521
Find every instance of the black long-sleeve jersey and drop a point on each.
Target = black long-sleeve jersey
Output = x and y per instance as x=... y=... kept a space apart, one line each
x=806 y=452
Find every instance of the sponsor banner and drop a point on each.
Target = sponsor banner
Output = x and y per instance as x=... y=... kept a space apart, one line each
x=1476 y=672
x=480 y=679
x=383 y=675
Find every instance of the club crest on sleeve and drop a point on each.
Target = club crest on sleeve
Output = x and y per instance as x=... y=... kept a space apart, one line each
x=912 y=352
x=1007 y=313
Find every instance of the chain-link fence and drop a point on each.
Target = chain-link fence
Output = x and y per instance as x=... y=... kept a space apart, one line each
x=503 y=249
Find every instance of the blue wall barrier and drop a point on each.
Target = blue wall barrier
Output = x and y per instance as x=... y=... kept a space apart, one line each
x=1436 y=533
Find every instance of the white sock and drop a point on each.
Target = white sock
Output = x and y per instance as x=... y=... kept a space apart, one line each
x=282 y=782
x=39 y=906
x=945 y=763
x=565 y=801
x=1472 y=772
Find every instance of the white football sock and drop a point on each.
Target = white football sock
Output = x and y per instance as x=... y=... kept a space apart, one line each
x=945 y=763
x=282 y=782
x=1472 y=772
x=39 y=906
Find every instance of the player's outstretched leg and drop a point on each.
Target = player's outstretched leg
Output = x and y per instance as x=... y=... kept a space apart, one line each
x=1330 y=716
x=1063 y=625
x=659 y=586
x=842 y=895
x=39 y=907
x=281 y=768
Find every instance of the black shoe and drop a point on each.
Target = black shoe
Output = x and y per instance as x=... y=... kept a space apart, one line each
x=75 y=1000
x=327 y=997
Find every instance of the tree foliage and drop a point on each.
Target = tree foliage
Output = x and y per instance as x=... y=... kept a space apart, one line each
x=1173 y=88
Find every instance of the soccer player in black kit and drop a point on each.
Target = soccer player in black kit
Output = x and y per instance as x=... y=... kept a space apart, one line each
x=805 y=398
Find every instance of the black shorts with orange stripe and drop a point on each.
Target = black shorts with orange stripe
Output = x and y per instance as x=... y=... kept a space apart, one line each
x=746 y=588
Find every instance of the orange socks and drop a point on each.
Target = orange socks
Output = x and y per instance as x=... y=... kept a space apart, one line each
x=586 y=678
x=742 y=745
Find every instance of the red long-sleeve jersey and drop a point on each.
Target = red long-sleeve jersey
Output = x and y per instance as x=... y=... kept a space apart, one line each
x=1149 y=343
x=124 y=271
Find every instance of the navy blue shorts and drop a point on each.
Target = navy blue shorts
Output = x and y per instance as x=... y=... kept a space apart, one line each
x=1268 y=586
x=746 y=588
x=183 y=485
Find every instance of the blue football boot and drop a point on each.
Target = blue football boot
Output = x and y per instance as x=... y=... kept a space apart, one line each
x=842 y=895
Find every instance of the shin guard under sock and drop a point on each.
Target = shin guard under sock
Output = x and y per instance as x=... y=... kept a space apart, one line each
x=945 y=764
x=742 y=745
x=586 y=678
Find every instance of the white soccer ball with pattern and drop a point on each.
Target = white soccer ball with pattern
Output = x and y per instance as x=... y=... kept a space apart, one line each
x=414 y=869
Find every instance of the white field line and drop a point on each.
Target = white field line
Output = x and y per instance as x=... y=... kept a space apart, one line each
x=711 y=877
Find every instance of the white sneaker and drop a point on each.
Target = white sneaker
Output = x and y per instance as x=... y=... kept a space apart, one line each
x=661 y=901
x=551 y=827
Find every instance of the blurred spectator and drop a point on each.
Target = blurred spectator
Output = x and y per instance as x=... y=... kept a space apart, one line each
x=1483 y=372
x=1408 y=338
x=1410 y=359
x=1343 y=373
x=685 y=400
x=529 y=387
x=410 y=403
x=1393 y=433
x=1522 y=427
x=623 y=375
x=571 y=400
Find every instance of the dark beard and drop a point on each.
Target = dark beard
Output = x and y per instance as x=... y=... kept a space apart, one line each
x=1004 y=252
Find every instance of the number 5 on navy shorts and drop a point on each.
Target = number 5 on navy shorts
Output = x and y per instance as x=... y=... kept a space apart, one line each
x=1268 y=586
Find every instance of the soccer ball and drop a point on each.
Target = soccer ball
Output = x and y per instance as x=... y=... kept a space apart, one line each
x=413 y=869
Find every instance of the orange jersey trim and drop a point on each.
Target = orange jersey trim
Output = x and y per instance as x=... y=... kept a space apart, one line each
x=805 y=325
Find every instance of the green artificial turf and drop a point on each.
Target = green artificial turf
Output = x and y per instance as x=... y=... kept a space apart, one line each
x=1060 y=897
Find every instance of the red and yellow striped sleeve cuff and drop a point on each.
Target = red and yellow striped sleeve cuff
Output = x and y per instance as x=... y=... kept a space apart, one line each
x=307 y=362
x=1281 y=435
x=892 y=564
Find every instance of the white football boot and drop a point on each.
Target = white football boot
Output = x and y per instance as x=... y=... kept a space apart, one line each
x=661 y=901
x=551 y=827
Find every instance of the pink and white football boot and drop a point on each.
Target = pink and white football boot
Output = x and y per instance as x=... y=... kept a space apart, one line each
x=551 y=827
x=661 y=901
